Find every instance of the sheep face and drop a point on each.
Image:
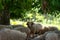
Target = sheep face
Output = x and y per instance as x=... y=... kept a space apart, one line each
x=29 y=24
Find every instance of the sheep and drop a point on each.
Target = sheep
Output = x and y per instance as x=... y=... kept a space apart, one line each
x=8 y=34
x=43 y=30
x=52 y=28
x=14 y=26
x=10 y=26
x=5 y=26
x=35 y=28
x=51 y=36
x=40 y=37
x=24 y=30
x=36 y=38
x=58 y=32
x=46 y=29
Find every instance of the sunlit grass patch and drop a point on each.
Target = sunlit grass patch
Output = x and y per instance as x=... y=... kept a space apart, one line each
x=24 y=24
x=17 y=22
x=38 y=18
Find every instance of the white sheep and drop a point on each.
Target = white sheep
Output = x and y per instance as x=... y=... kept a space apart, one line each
x=51 y=36
x=40 y=37
x=58 y=32
x=7 y=34
x=52 y=28
x=35 y=28
x=24 y=30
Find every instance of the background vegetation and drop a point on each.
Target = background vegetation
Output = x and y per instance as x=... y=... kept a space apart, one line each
x=46 y=12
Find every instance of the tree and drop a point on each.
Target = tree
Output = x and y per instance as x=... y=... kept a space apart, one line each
x=13 y=7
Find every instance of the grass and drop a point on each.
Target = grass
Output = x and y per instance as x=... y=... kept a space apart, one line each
x=50 y=20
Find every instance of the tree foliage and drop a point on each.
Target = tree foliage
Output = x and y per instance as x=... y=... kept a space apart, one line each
x=17 y=8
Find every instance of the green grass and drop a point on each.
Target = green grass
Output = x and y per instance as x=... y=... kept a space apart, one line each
x=49 y=20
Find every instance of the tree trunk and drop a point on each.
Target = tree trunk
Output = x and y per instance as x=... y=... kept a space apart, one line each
x=45 y=9
x=0 y=17
x=5 y=16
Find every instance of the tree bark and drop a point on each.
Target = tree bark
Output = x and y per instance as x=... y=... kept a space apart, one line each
x=44 y=6
x=5 y=16
x=0 y=17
